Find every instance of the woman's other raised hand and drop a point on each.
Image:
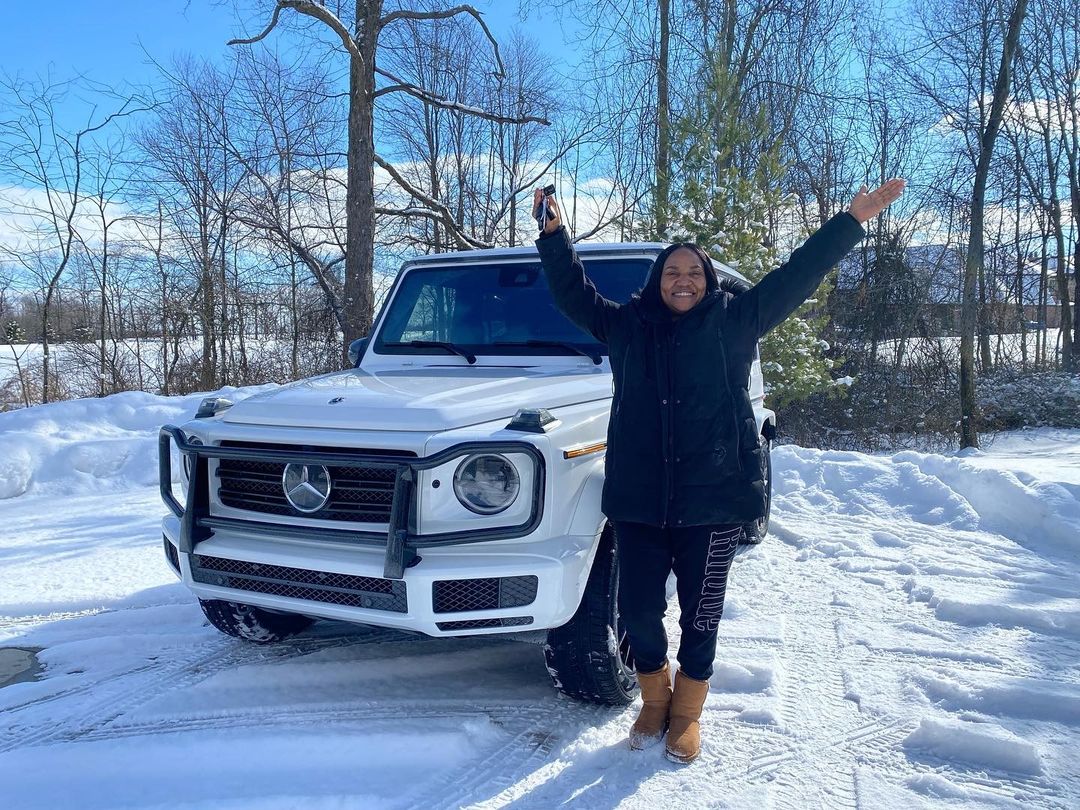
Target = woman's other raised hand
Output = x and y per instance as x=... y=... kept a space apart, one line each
x=868 y=204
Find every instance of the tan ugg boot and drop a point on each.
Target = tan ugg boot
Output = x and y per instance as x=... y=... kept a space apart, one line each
x=652 y=721
x=684 y=734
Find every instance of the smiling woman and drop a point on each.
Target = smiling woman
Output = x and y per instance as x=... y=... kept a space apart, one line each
x=685 y=468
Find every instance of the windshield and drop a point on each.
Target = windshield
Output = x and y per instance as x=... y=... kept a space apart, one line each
x=480 y=309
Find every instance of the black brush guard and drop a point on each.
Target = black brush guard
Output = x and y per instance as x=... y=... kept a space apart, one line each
x=400 y=541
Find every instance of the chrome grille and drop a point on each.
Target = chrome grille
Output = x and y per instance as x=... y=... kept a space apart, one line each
x=459 y=595
x=363 y=494
x=300 y=583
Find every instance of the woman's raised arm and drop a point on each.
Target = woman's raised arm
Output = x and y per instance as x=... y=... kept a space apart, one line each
x=575 y=295
x=769 y=302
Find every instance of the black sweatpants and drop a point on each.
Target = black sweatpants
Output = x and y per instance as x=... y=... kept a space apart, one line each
x=700 y=557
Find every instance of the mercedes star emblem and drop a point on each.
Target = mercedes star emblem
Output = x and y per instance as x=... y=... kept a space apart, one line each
x=307 y=486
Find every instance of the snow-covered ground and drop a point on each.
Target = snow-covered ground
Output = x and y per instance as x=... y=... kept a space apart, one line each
x=908 y=636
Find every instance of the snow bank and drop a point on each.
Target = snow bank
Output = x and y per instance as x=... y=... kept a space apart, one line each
x=1039 y=609
x=85 y=445
x=1037 y=506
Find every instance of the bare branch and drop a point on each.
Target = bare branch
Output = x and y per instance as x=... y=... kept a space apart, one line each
x=310 y=9
x=426 y=213
x=400 y=85
x=266 y=31
x=464 y=240
x=605 y=222
x=446 y=14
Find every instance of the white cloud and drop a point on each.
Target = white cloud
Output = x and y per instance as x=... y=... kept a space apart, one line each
x=33 y=220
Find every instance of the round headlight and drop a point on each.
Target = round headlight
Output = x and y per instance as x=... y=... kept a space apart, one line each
x=188 y=459
x=486 y=483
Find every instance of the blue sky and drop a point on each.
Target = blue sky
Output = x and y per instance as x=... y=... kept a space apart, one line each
x=106 y=39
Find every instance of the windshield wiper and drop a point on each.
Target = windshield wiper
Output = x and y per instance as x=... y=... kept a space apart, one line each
x=435 y=344
x=558 y=344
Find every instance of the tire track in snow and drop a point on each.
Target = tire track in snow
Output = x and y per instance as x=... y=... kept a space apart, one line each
x=513 y=761
x=881 y=750
x=823 y=775
x=299 y=716
x=828 y=734
x=131 y=690
x=121 y=695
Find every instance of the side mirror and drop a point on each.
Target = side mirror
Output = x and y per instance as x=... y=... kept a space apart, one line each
x=356 y=350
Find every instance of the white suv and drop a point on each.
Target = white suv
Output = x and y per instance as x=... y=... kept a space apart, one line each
x=448 y=484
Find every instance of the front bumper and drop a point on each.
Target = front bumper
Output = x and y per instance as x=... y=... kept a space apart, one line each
x=479 y=581
x=539 y=581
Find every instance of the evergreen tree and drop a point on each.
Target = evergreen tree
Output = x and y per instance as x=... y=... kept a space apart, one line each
x=729 y=174
x=14 y=333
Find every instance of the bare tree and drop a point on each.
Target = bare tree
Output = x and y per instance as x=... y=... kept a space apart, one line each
x=360 y=39
x=49 y=162
x=968 y=428
x=1051 y=64
x=106 y=183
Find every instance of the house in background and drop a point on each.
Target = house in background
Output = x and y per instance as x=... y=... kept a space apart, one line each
x=920 y=292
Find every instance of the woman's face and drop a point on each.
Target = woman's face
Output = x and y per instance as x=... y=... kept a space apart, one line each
x=682 y=282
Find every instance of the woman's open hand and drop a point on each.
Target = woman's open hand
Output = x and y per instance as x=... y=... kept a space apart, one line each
x=868 y=205
x=554 y=219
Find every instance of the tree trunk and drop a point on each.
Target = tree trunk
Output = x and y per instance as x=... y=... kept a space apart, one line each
x=985 y=304
x=1074 y=349
x=1062 y=277
x=968 y=409
x=1021 y=315
x=1058 y=232
x=45 y=358
x=360 y=195
x=662 y=200
x=209 y=344
x=1044 y=294
x=103 y=314
x=165 y=388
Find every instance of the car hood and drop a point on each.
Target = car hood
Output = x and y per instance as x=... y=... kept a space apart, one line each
x=429 y=399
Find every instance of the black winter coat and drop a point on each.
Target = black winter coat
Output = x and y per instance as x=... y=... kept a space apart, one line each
x=683 y=447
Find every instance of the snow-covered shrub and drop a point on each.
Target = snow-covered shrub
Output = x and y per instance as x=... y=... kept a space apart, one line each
x=1010 y=400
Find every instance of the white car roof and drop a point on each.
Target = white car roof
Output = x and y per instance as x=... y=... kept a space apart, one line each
x=584 y=249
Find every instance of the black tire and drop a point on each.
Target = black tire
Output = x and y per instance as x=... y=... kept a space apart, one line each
x=755 y=532
x=586 y=658
x=253 y=623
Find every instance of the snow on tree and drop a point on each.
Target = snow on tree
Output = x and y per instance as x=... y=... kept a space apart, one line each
x=14 y=333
